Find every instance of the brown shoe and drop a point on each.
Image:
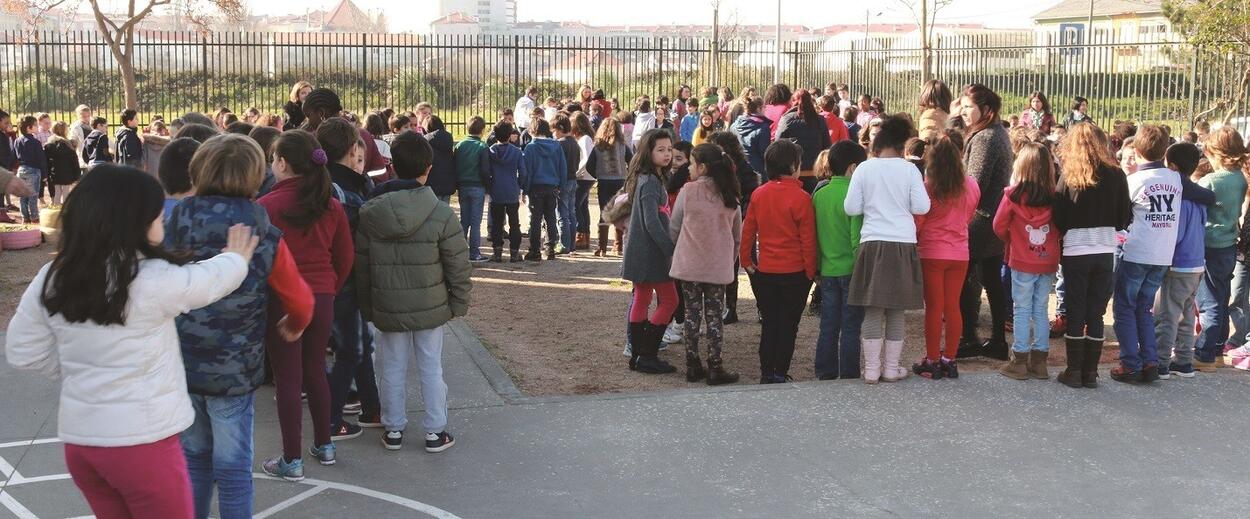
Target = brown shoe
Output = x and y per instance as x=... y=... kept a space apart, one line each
x=616 y=235
x=602 y=251
x=1017 y=367
x=582 y=241
x=1037 y=365
x=1071 y=376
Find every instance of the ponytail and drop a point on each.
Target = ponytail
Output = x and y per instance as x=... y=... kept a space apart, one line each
x=720 y=167
x=307 y=161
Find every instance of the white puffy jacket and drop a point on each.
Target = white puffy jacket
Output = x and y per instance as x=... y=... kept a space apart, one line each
x=642 y=123
x=122 y=385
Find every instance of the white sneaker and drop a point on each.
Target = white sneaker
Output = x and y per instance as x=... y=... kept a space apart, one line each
x=675 y=333
x=628 y=351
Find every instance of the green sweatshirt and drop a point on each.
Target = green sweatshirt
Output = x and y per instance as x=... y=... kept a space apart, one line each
x=1222 y=218
x=837 y=233
x=472 y=162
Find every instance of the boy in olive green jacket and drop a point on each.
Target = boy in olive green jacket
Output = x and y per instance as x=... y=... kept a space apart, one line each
x=412 y=276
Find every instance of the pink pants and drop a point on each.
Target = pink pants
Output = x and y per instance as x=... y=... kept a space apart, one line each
x=665 y=291
x=148 y=480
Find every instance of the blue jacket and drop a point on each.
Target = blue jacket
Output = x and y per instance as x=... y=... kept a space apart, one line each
x=30 y=153
x=544 y=164
x=223 y=344
x=755 y=133
x=506 y=169
x=689 y=124
x=1190 y=239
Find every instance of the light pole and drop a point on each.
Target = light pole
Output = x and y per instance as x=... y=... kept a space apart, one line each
x=777 y=56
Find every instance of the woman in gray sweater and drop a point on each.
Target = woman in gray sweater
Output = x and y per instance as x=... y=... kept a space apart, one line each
x=988 y=159
x=649 y=251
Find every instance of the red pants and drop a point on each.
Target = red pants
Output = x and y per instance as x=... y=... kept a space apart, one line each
x=943 y=282
x=148 y=480
x=665 y=291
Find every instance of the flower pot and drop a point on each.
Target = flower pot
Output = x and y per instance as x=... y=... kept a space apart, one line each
x=20 y=239
x=50 y=219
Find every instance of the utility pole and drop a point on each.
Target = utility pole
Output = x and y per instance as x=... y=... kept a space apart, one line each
x=777 y=57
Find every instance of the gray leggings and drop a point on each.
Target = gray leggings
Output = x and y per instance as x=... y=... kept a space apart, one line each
x=877 y=318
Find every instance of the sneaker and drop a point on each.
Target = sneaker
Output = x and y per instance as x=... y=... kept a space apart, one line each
x=729 y=317
x=1164 y=372
x=280 y=468
x=438 y=442
x=1209 y=367
x=950 y=368
x=1150 y=373
x=393 y=440
x=969 y=347
x=1181 y=370
x=480 y=260
x=1125 y=375
x=628 y=351
x=928 y=369
x=675 y=333
x=369 y=421
x=325 y=453
x=1238 y=358
x=1058 y=326
x=352 y=408
x=345 y=431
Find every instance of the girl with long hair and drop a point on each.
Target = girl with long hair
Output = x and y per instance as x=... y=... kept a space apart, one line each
x=804 y=125
x=1226 y=152
x=935 y=99
x=294 y=106
x=607 y=164
x=649 y=251
x=1038 y=115
x=776 y=103
x=584 y=133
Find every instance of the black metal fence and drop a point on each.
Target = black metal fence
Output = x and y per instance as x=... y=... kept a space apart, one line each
x=1138 y=76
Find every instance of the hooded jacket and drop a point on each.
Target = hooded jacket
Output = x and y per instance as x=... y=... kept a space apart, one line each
x=442 y=177
x=812 y=136
x=129 y=146
x=96 y=149
x=504 y=177
x=643 y=121
x=63 y=166
x=754 y=134
x=1030 y=235
x=544 y=165
x=412 y=262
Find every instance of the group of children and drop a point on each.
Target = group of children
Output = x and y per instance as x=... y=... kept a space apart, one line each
x=167 y=299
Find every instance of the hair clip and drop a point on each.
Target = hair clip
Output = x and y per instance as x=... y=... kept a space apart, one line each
x=319 y=157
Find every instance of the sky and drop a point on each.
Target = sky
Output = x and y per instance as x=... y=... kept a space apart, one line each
x=416 y=15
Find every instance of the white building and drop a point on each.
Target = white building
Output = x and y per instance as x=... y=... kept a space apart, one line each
x=491 y=15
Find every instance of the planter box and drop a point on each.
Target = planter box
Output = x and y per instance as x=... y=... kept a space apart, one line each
x=50 y=219
x=20 y=239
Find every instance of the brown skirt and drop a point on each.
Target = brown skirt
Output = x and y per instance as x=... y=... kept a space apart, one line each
x=887 y=275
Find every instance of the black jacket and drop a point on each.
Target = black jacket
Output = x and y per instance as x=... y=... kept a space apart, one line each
x=63 y=167
x=1106 y=204
x=294 y=116
x=812 y=136
x=442 y=178
x=572 y=156
x=96 y=149
x=129 y=147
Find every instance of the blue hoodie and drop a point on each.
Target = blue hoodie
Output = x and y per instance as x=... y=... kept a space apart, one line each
x=755 y=133
x=544 y=164
x=1190 y=237
x=689 y=124
x=506 y=170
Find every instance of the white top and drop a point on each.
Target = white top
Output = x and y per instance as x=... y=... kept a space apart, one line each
x=642 y=123
x=521 y=113
x=888 y=192
x=122 y=385
x=78 y=132
x=587 y=144
x=1156 y=196
x=1089 y=240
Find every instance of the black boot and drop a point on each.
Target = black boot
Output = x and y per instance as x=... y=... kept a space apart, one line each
x=1071 y=376
x=648 y=351
x=551 y=252
x=637 y=335
x=970 y=347
x=996 y=349
x=498 y=256
x=1089 y=362
x=516 y=256
x=694 y=367
x=716 y=374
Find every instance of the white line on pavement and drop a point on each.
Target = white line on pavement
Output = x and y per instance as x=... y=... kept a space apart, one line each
x=27 y=443
x=292 y=501
x=20 y=511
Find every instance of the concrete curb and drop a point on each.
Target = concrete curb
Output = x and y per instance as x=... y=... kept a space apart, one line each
x=486 y=362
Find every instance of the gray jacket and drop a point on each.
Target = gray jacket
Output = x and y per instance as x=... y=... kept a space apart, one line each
x=648 y=247
x=988 y=158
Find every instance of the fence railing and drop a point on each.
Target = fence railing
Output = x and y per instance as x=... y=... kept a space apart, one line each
x=1125 y=76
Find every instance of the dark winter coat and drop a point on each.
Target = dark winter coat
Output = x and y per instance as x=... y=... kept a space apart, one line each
x=294 y=116
x=442 y=177
x=63 y=166
x=812 y=136
x=649 y=249
x=754 y=132
x=988 y=158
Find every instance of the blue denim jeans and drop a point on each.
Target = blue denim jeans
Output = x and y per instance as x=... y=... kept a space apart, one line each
x=1060 y=307
x=568 y=214
x=353 y=357
x=1030 y=294
x=472 y=203
x=1213 y=297
x=1136 y=285
x=391 y=362
x=218 y=447
x=837 y=348
x=30 y=204
x=1239 y=307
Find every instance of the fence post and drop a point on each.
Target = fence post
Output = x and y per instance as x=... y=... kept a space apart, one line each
x=1193 y=88
x=38 y=77
x=794 y=59
x=516 y=68
x=364 y=76
x=660 y=65
x=204 y=68
x=851 y=68
x=1048 y=71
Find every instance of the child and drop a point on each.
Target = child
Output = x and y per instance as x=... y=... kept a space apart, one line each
x=942 y=244
x=649 y=252
x=678 y=177
x=101 y=317
x=886 y=280
x=472 y=164
x=706 y=226
x=829 y=112
x=1174 y=316
x=223 y=344
x=707 y=125
x=837 y=348
x=644 y=120
x=562 y=129
x=129 y=145
x=781 y=219
x=1091 y=205
x=506 y=168
x=544 y=173
x=96 y=149
x=1024 y=224
x=690 y=120
x=63 y=167
x=31 y=163
x=850 y=114
x=174 y=171
x=607 y=164
x=1226 y=152
x=584 y=134
x=397 y=230
x=1147 y=253
x=315 y=227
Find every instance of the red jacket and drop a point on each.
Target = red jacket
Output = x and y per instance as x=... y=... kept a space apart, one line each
x=323 y=251
x=781 y=217
x=1030 y=234
x=837 y=128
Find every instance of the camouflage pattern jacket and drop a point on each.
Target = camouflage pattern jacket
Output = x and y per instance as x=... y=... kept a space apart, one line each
x=223 y=344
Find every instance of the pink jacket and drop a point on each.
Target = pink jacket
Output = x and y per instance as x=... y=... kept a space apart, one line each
x=707 y=235
x=773 y=113
x=1030 y=234
x=943 y=233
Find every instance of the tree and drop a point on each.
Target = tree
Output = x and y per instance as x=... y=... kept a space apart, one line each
x=1222 y=28
x=118 y=29
x=925 y=12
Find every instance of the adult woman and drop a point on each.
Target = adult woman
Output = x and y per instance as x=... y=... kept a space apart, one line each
x=294 y=107
x=935 y=97
x=804 y=125
x=988 y=159
x=607 y=164
x=776 y=103
x=585 y=96
x=1037 y=116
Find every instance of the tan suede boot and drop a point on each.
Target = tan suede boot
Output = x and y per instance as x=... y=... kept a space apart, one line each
x=1016 y=368
x=1037 y=365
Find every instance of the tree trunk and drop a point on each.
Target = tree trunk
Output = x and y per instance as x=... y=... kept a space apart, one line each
x=128 y=83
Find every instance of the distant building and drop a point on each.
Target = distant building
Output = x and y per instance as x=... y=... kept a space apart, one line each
x=346 y=16
x=1114 y=21
x=490 y=15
